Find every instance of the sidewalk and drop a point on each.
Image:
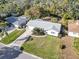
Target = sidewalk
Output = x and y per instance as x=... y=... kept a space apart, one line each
x=25 y=55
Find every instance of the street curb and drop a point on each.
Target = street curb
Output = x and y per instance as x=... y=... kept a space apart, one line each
x=32 y=55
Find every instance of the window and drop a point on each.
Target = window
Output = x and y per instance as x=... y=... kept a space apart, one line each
x=52 y=32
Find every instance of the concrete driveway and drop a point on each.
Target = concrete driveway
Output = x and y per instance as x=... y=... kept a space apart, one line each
x=21 y=39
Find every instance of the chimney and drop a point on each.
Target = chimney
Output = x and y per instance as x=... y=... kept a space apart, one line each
x=77 y=22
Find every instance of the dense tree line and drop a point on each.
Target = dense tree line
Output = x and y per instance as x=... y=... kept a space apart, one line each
x=59 y=9
x=11 y=7
x=67 y=9
x=64 y=8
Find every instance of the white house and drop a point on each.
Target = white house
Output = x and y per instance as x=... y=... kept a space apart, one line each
x=49 y=27
x=17 y=21
x=73 y=28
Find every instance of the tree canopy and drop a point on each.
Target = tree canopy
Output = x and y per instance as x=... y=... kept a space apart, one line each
x=65 y=8
x=58 y=7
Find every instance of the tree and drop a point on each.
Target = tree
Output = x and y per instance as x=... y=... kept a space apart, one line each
x=72 y=9
x=3 y=25
x=33 y=12
x=15 y=10
x=3 y=1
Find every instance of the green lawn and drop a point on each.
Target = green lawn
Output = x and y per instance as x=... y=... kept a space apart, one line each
x=3 y=23
x=76 y=44
x=46 y=47
x=12 y=36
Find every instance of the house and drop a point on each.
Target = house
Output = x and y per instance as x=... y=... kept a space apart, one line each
x=73 y=28
x=49 y=27
x=17 y=21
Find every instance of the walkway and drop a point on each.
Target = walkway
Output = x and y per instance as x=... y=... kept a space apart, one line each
x=68 y=52
x=21 y=39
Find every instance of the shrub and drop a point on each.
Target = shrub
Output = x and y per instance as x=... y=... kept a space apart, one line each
x=63 y=46
x=38 y=31
x=22 y=48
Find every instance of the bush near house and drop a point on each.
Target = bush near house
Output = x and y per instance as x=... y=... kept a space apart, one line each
x=44 y=47
x=12 y=36
x=38 y=31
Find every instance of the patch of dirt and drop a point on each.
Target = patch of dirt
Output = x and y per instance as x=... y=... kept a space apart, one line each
x=68 y=52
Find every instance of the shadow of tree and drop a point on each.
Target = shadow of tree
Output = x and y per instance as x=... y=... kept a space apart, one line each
x=8 y=53
x=54 y=15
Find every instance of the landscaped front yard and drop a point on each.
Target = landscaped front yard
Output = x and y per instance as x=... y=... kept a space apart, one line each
x=76 y=44
x=12 y=36
x=45 y=47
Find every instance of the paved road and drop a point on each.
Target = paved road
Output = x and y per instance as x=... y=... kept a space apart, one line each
x=10 y=53
x=7 y=52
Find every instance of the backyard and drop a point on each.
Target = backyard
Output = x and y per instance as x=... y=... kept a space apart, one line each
x=12 y=36
x=45 y=47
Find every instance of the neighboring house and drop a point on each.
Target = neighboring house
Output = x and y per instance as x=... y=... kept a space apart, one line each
x=49 y=27
x=17 y=21
x=73 y=28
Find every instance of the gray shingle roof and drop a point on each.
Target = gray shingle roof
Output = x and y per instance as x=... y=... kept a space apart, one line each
x=45 y=25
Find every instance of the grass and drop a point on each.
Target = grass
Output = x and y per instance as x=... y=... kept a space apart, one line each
x=12 y=36
x=3 y=23
x=46 y=47
x=76 y=44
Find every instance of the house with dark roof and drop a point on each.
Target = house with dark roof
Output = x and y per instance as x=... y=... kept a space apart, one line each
x=49 y=27
x=73 y=28
x=17 y=21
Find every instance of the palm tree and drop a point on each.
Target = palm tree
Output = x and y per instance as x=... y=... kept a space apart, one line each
x=3 y=25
